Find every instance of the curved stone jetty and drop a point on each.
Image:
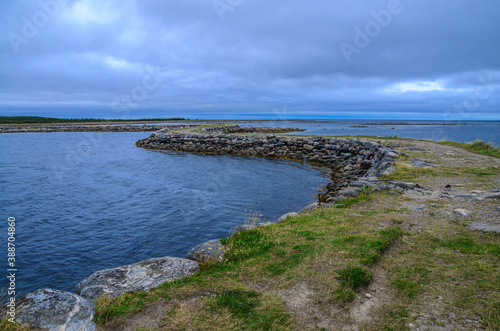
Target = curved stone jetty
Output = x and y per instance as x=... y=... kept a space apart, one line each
x=55 y=310
x=349 y=160
x=141 y=276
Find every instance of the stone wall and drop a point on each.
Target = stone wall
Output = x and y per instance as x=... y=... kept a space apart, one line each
x=350 y=160
x=91 y=128
x=248 y=129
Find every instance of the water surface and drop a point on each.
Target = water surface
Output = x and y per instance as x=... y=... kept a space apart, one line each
x=90 y=201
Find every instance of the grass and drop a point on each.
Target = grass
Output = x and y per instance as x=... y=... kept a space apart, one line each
x=406 y=172
x=9 y=326
x=244 y=305
x=478 y=147
x=284 y=254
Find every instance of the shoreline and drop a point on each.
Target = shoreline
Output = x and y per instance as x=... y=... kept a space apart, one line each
x=106 y=282
x=352 y=190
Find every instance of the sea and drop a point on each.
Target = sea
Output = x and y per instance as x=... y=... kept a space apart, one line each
x=83 y=202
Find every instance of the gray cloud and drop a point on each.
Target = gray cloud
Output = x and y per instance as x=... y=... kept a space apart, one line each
x=81 y=56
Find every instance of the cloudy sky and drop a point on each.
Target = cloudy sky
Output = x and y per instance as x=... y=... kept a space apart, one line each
x=420 y=59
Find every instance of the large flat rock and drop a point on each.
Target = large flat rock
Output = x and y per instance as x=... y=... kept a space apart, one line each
x=55 y=310
x=141 y=276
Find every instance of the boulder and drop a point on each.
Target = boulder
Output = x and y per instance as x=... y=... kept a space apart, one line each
x=354 y=192
x=493 y=196
x=485 y=227
x=209 y=251
x=309 y=207
x=55 y=310
x=462 y=212
x=141 y=276
x=284 y=217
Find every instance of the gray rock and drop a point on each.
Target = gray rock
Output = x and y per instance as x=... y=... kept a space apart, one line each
x=349 y=193
x=388 y=171
x=493 y=196
x=420 y=164
x=409 y=186
x=253 y=225
x=211 y=250
x=141 y=276
x=462 y=212
x=485 y=227
x=284 y=217
x=55 y=310
x=463 y=195
x=309 y=207
x=391 y=155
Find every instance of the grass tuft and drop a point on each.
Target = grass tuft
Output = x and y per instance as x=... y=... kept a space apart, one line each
x=478 y=147
x=246 y=306
x=354 y=277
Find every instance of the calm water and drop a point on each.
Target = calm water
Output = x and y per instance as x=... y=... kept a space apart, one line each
x=433 y=130
x=89 y=201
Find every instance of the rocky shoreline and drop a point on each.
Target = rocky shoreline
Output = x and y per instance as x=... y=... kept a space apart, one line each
x=355 y=164
x=91 y=128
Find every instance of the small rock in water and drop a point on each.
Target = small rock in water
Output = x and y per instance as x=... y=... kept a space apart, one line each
x=462 y=212
x=368 y=296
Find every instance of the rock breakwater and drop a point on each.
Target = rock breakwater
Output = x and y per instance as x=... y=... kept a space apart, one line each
x=248 y=129
x=90 y=128
x=349 y=160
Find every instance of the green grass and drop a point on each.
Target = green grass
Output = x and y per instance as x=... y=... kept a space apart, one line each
x=354 y=277
x=410 y=280
x=395 y=319
x=244 y=306
x=467 y=245
x=478 y=147
x=9 y=326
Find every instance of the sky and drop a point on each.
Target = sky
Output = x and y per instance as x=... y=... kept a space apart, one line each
x=246 y=59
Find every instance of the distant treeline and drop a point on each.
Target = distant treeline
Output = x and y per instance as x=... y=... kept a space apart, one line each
x=38 y=119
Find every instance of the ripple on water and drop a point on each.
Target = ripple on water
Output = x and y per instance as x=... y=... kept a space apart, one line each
x=121 y=204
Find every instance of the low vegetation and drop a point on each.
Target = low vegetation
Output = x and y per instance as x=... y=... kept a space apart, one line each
x=478 y=147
